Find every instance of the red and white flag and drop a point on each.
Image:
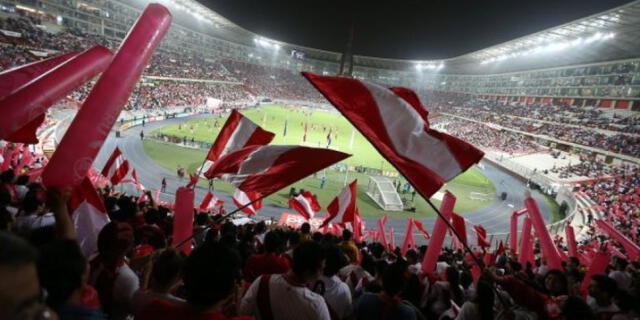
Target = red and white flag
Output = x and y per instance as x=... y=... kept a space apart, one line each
x=396 y=123
x=344 y=205
x=306 y=204
x=482 y=236
x=238 y=132
x=421 y=228
x=116 y=167
x=267 y=169
x=241 y=199
x=88 y=215
x=209 y=202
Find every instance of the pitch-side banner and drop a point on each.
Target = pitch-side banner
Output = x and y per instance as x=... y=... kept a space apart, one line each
x=295 y=221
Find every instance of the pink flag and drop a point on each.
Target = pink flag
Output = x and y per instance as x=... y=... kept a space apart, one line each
x=267 y=169
x=88 y=214
x=306 y=204
x=343 y=206
x=459 y=225
x=396 y=124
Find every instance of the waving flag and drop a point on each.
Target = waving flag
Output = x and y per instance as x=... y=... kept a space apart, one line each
x=482 y=236
x=238 y=132
x=396 y=123
x=420 y=228
x=241 y=199
x=344 y=205
x=306 y=204
x=267 y=169
x=88 y=215
x=459 y=226
x=116 y=167
x=209 y=202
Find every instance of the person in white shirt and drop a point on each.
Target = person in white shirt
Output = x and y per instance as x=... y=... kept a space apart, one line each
x=334 y=290
x=286 y=296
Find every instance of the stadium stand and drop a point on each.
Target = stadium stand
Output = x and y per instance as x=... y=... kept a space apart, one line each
x=574 y=128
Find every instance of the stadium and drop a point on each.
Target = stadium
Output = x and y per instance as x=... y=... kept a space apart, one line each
x=121 y=119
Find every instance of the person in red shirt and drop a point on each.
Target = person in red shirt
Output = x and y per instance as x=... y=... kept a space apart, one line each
x=270 y=262
x=210 y=275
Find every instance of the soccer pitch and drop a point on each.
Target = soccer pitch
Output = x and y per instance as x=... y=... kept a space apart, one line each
x=466 y=187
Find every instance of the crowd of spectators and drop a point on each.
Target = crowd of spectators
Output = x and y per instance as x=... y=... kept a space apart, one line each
x=266 y=271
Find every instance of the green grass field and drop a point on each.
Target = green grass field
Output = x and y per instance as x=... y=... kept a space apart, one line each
x=273 y=119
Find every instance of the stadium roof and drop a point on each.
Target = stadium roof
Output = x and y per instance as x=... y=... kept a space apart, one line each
x=610 y=35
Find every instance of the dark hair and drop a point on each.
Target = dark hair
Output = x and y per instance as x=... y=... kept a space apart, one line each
x=294 y=239
x=336 y=259
x=61 y=265
x=22 y=180
x=272 y=242
x=202 y=218
x=151 y=216
x=346 y=235
x=5 y=198
x=5 y=218
x=167 y=266
x=367 y=263
x=605 y=284
x=7 y=176
x=14 y=251
x=484 y=299
x=30 y=203
x=210 y=274
x=562 y=277
x=305 y=228
x=393 y=279
x=574 y=308
x=307 y=258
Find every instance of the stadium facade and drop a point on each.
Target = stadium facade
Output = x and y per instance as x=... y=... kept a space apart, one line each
x=593 y=61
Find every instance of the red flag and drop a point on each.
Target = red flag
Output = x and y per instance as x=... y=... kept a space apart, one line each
x=267 y=169
x=238 y=132
x=482 y=236
x=306 y=204
x=458 y=224
x=343 y=205
x=420 y=228
x=241 y=199
x=395 y=122
x=209 y=202
x=381 y=234
x=88 y=214
x=116 y=168
x=358 y=227
x=408 y=237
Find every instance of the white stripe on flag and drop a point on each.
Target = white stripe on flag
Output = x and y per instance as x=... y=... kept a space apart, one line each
x=344 y=199
x=406 y=128
x=240 y=136
x=258 y=162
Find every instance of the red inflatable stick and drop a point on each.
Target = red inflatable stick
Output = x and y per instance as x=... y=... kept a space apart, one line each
x=183 y=219
x=513 y=240
x=632 y=249
x=526 y=244
x=547 y=246
x=598 y=266
x=571 y=241
x=86 y=134
x=30 y=101
x=12 y=79
x=438 y=234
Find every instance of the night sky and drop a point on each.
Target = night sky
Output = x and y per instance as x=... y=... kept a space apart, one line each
x=407 y=29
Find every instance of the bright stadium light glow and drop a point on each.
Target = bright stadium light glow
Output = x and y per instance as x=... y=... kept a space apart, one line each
x=551 y=47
